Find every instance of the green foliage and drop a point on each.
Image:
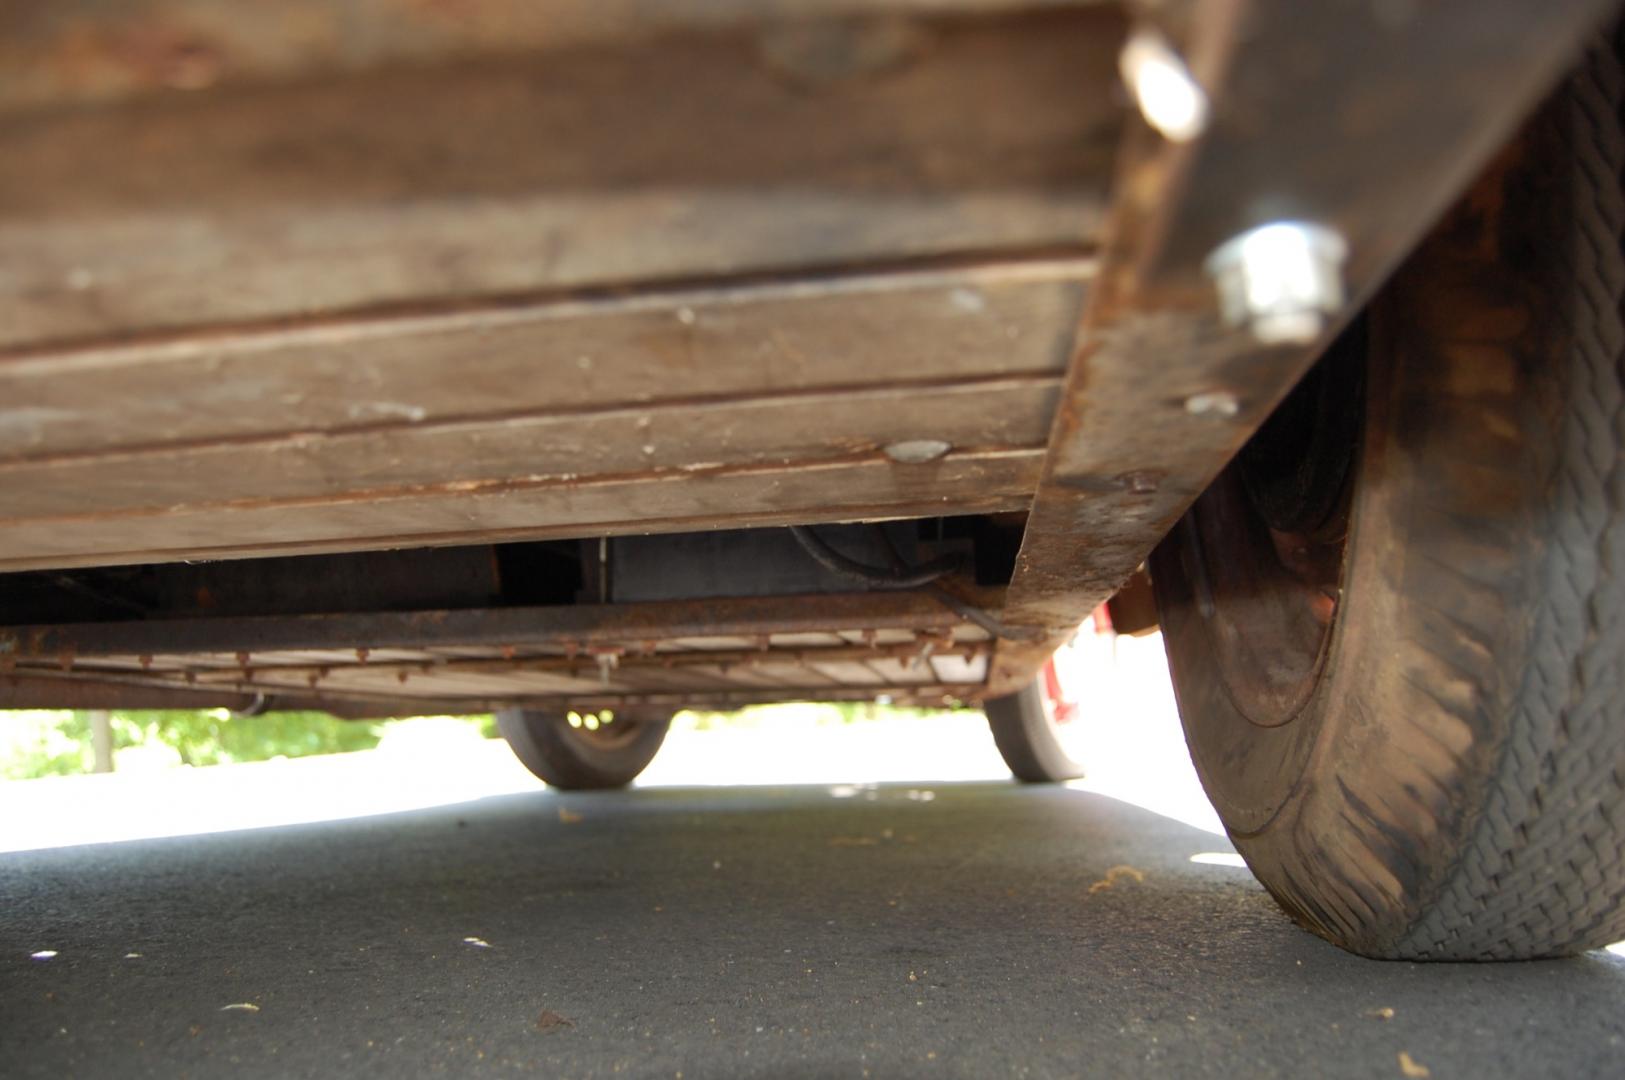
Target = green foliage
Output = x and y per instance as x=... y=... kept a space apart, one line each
x=215 y=736
x=44 y=742
x=57 y=742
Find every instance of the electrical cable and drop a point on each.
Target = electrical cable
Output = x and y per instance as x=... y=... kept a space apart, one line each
x=903 y=576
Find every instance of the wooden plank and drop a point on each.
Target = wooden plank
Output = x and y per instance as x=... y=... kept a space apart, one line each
x=595 y=166
x=56 y=52
x=602 y=353
x=302 y=472
x=1425 y=105
x=798 y=493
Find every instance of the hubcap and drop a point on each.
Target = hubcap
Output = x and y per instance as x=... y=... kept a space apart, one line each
x=1272 y=537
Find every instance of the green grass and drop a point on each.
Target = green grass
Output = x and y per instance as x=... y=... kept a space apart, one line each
x=45 y=742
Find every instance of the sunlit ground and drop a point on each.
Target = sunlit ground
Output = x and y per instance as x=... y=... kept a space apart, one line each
x=1129 y=740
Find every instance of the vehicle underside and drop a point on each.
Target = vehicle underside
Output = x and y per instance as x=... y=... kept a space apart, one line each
x=389 y=357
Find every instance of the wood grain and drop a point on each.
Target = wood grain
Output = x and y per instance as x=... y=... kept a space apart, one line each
x=57 y=52
x=862 y=489
x=607 y=164
x=599 y=353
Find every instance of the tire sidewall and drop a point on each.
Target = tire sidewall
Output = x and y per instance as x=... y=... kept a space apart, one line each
x=1352 y=814
x=565 y=758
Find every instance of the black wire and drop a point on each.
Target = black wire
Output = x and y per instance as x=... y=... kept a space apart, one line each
x=74 y=585
x=902 y=577
x=966 y=611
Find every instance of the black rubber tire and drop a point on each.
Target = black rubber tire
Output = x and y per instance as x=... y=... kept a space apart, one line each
x=575 y=759
x=1027 y=739
x=1454 y=785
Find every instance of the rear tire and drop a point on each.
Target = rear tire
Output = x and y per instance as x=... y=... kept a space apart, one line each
x=1425 y=758
x=579 y=758
x=1027 y=738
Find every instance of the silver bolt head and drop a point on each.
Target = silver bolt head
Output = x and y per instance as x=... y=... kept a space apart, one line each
x=1217 y=403
x=917 y=451
x=1169 y=97
x=1282 y=280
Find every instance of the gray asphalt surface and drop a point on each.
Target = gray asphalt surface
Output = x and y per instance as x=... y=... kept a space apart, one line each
x=737 y=932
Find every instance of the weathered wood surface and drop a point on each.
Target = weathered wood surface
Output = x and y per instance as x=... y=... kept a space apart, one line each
x=863 y=488
x=592 y=285
x=767 y=403
x=303 y=471
x=1335 y=115
x=600 y=353
x=610 y=164
x=55 y=52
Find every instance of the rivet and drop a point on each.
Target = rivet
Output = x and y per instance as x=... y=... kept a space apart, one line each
x=917 y=451
x=1220 y=403
x=1139 y=482
x=1169 y=97
x=1281 y=281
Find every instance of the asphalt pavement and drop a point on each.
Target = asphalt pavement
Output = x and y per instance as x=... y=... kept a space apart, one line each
x=974 y=929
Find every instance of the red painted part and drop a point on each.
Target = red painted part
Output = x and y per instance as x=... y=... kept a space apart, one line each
x=1102 y=618
x=1063 y=708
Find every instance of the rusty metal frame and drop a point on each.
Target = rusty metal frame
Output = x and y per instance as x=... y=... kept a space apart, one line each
x=175 y=663
x=1334 y=114
x=582 y=626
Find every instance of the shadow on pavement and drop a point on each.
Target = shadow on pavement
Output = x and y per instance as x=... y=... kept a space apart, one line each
x=977 y=929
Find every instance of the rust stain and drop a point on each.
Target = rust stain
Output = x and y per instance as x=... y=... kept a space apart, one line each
x=1117 y=875
x=101 y=60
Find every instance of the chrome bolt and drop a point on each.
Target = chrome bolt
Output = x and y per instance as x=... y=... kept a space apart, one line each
x=1280 y=280
x=917 y=451
x=1217 y=403
x=1169 y=97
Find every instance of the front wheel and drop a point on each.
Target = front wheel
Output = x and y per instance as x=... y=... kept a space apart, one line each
x=587 y=752
x=1398 y=649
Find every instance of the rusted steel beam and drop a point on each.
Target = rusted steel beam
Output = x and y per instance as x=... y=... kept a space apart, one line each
x=581 y=626
x=939 y=644
x=936 y=694
x=43 y=691
x=1366 y=119
x=38 y=691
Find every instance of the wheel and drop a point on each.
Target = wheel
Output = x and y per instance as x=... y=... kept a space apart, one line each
x=585 y=753
x=1027 y=728
x=1397 y=650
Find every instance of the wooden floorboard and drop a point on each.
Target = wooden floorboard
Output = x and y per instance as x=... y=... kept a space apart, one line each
x=612 y=164
x=65 y=52
x=860 y=489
